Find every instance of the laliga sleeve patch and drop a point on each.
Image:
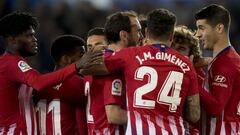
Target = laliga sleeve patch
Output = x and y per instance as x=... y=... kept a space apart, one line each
x=117 y=87
x=23 y=66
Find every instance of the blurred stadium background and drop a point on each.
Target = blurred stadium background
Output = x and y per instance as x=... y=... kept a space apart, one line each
x=78 y=16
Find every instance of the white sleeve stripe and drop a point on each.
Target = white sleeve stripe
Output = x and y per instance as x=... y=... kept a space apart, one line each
x=233 y=128
x=181 y=124
x=11 y=129
x=213 y=126
x=106 y=131
x=129 y=128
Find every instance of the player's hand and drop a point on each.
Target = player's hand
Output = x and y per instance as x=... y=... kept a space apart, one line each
x=99 y=48
x=202 y=61
x=89 y=59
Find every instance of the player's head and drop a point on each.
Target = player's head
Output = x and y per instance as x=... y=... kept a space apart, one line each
x=123 y=27
x=18 y=31
x=185 y=42
x=212 y=22
x=143 y=22
x=67 y=49
x=160 y=25
x=96 y=36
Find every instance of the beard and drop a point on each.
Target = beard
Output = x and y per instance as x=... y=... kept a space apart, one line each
x=131 y=42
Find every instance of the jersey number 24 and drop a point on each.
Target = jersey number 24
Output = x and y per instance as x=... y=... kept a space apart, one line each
x=172 y=83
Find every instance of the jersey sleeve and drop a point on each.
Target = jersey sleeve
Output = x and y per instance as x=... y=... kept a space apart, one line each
x=193 y=89
x=221 y=88
x=114 y=91
x=118 y=60
x=73 y=90
x=19 y=71
x=70 y=90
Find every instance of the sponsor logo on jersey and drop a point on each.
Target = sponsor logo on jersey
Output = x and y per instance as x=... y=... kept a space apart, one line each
x=23 y=66
x=219 y=81
x=219 y=78
x=117 y=87
x=57 y=87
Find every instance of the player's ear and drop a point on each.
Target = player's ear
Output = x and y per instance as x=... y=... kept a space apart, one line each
x=65 y=60
x=123 y=35
x=146 y=33
x=171 y=37
x=220 y=28
x=12 y=40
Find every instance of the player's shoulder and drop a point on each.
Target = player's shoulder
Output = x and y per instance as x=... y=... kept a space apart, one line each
x=10 y=57
x=11 y=60
x=75 y=79
x=229 y=58
x=112 y=77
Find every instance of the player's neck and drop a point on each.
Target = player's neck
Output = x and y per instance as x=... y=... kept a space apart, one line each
x=220 y=45
x=114 y=47
x=12 y=51
x=59 y=66
x=150 y=42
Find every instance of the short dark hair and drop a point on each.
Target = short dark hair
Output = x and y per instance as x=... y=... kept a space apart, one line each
x=115 y=23
x=16 y=23
x=64 y=45
x=96 y=31
x=215 y=14
x=160 y=24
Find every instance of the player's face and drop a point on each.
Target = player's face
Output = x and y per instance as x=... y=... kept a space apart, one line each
x=135 y=36
x=26 y=43
x=206 y=33
x=184 y=49
x=95 y=40
x=77 y=54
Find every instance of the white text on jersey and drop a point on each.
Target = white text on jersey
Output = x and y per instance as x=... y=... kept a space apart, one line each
x=164 y=56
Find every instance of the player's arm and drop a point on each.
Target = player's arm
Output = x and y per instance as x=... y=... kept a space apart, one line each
x=96 y=69
x=108 y=64
x=215 y=101
x=193 y=108
x=23 y=73
x=114 y=100
x=116 y=115
x=192 y=100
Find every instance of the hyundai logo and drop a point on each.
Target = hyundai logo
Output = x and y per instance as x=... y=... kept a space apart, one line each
x=219 y=78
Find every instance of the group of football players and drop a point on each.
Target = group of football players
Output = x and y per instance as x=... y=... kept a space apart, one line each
x=131 y=77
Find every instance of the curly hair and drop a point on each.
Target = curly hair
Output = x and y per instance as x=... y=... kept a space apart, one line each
x=184 y=35
x=16 y=23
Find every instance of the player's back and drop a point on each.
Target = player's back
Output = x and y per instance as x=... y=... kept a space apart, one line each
x=158 y=81
x=58 y=106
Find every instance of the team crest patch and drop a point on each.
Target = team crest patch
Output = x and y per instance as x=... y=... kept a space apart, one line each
x=117 y=87
x=23 y=66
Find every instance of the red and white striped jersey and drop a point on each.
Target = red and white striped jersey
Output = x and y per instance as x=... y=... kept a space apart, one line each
x=158 y=80
x=100 y=91
x=59 y=107
x=221 y=96
x=17 y=80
